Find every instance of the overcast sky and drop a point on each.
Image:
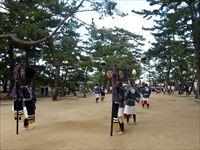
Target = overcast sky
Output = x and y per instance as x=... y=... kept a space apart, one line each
x=132 y=22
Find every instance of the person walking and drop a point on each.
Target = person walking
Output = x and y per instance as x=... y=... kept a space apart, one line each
x=146 y=92
x=102 y=93
x=97 y=91
x=131 y=95
x=187 y=90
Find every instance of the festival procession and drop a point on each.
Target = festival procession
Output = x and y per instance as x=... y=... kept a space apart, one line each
x=123 y=98
x=106 y=74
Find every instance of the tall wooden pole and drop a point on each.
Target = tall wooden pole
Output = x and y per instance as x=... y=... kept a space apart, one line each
x=17 y=106
x=17 y=88
x=114 y=79
x=111 y=127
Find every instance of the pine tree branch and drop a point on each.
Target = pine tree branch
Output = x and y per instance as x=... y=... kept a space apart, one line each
x=86 y=10
x=15 y=39
x=4 y=8
x=82 y=21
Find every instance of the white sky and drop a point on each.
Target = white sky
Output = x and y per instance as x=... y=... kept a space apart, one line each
x=132 y=22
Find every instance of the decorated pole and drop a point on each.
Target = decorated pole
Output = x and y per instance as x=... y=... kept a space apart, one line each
x=16 y=92
x=114 y=79
x=111 y=127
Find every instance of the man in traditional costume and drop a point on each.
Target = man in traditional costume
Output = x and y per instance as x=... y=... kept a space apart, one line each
x=146 y=92
x=25 y=104
x=131 y=95
x=97 y=91
x=16 y=96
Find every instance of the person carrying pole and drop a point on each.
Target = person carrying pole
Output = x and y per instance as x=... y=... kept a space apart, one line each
x=121 y=92
x=23 y=96
x=117 y=100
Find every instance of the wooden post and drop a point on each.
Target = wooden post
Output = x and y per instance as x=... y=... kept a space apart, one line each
x=114 y=79
x=17 y=107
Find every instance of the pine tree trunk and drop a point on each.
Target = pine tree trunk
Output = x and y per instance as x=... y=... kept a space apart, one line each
x=55 y=91
x=197 y=60
x=55 y=94
x=84 y=89
x=197 y=54
x=196 y=41
x=12 y=64
x=85 y=83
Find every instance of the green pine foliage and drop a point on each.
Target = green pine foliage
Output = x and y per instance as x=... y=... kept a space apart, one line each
x=176 y=49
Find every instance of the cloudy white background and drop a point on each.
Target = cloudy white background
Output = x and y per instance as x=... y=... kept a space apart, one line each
x=132 y=22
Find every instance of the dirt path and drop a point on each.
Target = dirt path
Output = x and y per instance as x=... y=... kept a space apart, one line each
x=172 y=123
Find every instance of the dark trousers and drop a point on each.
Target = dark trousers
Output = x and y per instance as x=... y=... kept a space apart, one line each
x=115 y=110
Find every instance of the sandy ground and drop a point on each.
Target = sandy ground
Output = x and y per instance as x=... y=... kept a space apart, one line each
x=171 y=123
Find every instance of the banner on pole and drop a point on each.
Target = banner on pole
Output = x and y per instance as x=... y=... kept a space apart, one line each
x=121 y=73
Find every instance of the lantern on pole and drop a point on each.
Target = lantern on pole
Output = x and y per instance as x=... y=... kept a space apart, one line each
x=134 y=72
x=143 y=57
x=103 y=63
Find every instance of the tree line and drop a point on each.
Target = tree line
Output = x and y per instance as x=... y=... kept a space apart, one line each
x=176 y=52
x=44 y=34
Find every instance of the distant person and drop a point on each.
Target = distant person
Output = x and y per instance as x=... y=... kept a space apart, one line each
x=46 y=91
x=146 y=92
x=81 y=89
x=164 y=89
x=158 y=90
x=97 y=91
x=1 y=88
x=173 y=88
x=187 y=90
x=102 y=93
x=42 y=91
x=169 y=90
